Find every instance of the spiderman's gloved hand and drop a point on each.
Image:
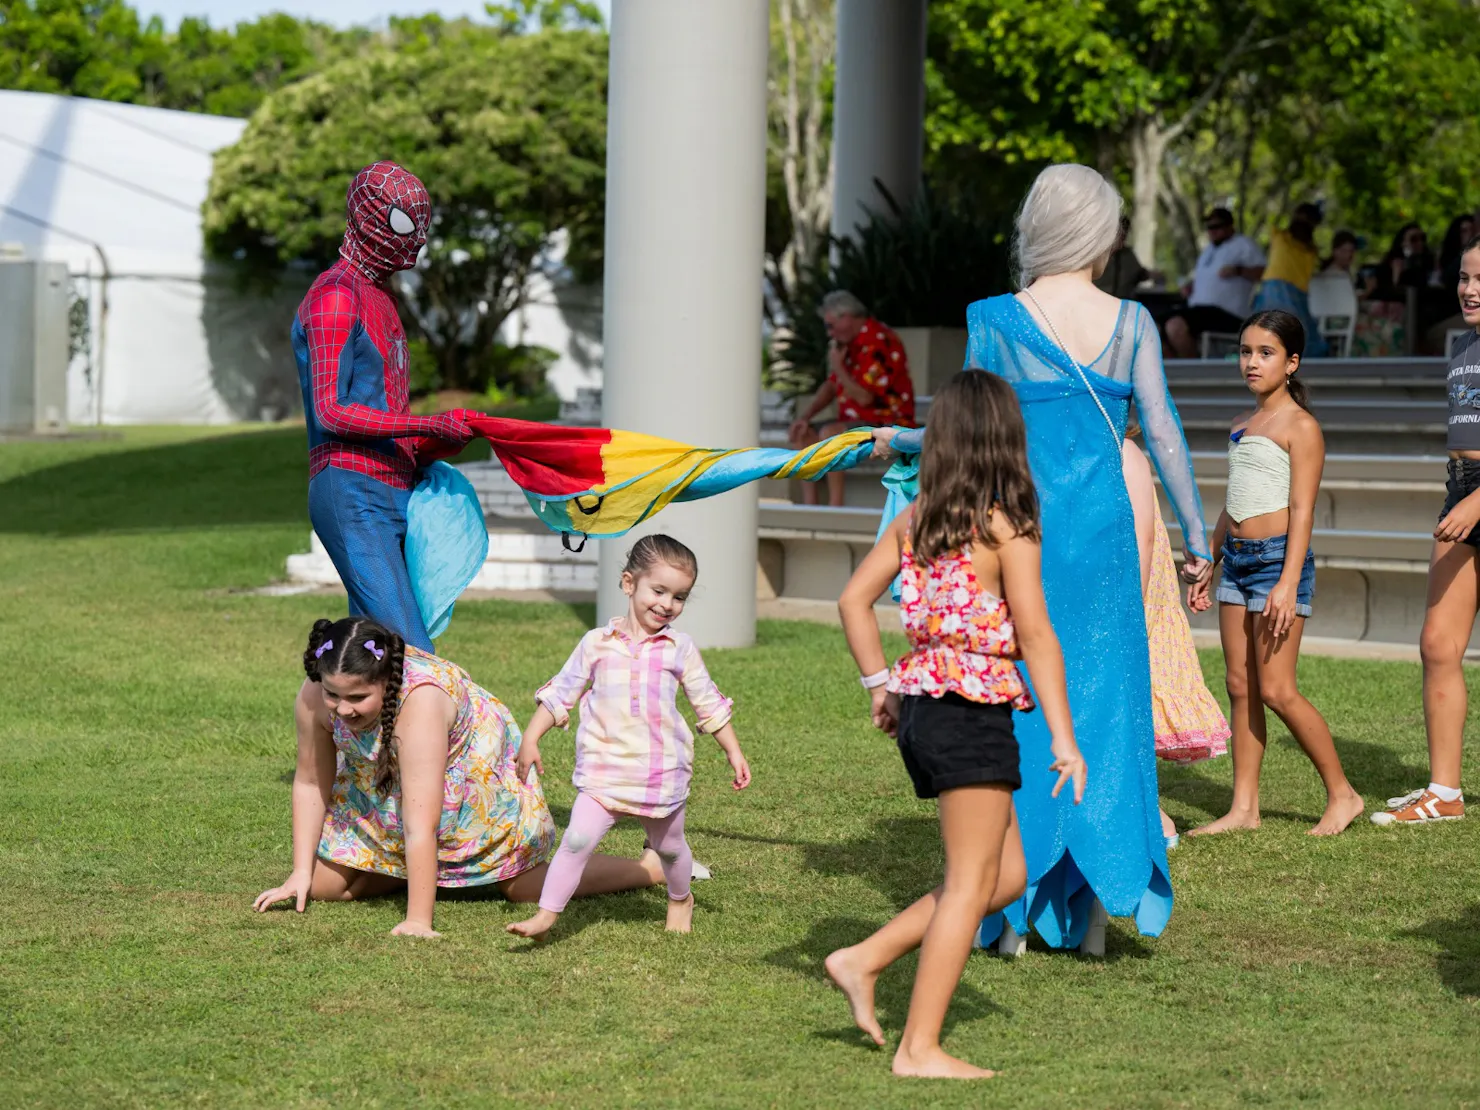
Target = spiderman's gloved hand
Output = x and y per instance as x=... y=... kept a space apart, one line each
x=448 y=434
x=452 y=428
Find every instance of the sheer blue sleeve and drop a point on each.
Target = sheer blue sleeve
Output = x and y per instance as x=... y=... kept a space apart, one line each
x=1162 y=429
x=909 y=441
x=912 y=440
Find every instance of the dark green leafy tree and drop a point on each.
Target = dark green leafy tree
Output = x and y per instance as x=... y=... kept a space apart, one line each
x=506 y=129
x=80 y=47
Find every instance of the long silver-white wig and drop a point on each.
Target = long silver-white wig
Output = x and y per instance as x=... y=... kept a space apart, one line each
x=1068 y=221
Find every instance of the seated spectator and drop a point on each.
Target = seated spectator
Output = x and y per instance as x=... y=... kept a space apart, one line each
x=868 y=374
x=1124 y=273
x=1407 y=264
x=1343 y=255
x=1461 y=230
x=1292 y=260
x=1218 y=295
x=1443 y=314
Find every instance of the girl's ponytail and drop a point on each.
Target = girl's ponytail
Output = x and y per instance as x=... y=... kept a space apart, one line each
x=316 y=637
x=1298 y=392
x=390 y=706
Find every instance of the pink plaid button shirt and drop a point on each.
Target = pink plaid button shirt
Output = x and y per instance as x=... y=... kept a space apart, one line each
x=634 y=751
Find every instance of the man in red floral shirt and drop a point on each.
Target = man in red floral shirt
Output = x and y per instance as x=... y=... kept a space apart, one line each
x=868 y=374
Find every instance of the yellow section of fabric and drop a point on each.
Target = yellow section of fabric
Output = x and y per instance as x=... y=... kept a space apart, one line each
x=644 y=474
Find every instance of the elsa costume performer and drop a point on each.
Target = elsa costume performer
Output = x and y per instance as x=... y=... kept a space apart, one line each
x=1107 y=855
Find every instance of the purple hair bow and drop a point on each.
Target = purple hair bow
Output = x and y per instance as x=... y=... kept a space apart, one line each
x=379 y=653
x=327 y=645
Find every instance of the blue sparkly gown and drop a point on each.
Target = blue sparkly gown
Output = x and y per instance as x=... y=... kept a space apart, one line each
x=1111 y=846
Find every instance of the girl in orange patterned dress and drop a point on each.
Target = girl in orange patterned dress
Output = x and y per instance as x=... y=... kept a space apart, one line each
x=968 y=557
x=438 y=806
x=1189 y=725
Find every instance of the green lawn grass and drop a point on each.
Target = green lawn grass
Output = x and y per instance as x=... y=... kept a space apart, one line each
x=145 y=755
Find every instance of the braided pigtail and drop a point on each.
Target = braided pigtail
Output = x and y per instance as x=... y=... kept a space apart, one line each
x=316 y=637
x=390 y=706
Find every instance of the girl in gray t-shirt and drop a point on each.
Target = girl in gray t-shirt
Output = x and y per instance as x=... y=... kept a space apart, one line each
x=1453 y=599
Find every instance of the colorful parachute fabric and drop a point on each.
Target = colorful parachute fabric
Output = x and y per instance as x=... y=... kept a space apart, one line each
x=600 y=482
x=582 y=482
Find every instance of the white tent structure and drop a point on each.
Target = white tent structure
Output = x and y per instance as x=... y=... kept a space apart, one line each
x=115 y=192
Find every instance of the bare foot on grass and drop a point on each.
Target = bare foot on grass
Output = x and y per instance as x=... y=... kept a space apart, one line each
x=857 y=985
x=536 y=927
x=681 y=915
x=1340 y=812
x=1233 y=819
x=936 y=1064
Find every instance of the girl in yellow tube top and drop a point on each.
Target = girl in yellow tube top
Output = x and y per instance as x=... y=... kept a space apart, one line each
x=1275 y=457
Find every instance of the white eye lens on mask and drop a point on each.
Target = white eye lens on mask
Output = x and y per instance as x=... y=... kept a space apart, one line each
x=401 y=223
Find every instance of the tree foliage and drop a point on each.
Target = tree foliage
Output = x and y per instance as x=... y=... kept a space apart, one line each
x=915 y=265
x=508 y=133
x=101 y=49
x=82 y=47
x=1256 y=103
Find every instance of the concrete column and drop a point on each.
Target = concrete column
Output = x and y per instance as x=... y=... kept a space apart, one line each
x=685 y=216
x=878 y=106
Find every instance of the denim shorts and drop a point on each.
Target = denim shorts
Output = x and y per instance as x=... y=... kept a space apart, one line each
x=1464 y=479
x=1251 y=568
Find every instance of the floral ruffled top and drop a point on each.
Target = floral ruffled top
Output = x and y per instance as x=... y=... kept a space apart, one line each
x=962 y=639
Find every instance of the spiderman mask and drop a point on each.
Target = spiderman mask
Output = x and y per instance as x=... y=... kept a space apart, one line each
x=389 y=211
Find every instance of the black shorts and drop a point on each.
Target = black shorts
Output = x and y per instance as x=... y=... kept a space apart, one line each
x=1207 y=317
x=949 y=742
x=1464 y=479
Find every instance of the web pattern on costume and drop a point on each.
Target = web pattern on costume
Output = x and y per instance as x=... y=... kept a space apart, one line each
x=353 y=360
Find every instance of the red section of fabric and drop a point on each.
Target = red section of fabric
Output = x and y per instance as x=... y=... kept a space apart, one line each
x=544 y=459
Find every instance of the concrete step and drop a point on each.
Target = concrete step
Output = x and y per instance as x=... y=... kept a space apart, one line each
x=1370 y=583
x=1319 y=373
x=520 y=557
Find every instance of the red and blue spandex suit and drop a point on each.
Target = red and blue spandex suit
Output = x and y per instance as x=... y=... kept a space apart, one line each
x=363 y=443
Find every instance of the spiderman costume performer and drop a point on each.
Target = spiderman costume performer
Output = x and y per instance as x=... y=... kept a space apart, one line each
x=364 y=446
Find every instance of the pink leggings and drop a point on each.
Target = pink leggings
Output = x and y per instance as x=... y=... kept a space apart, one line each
x=589 y=822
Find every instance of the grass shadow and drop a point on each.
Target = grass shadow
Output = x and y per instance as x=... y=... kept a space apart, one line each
x=599 y=909
x=1375 y=771
x=1458 y=959
x=243 y=478
x=1378 y=771
x=887 y=857
x=891 y=993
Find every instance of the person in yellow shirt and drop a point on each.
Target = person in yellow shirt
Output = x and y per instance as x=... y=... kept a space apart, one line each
x=1293 y=259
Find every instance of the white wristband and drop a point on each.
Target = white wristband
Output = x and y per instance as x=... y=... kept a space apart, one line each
x=875 y=680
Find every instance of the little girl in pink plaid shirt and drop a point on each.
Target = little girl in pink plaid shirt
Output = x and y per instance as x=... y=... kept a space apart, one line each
x=634 y=753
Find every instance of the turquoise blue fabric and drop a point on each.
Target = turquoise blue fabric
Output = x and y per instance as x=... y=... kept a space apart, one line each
x=901 y=484
x=1110 y=846
x=446 y=542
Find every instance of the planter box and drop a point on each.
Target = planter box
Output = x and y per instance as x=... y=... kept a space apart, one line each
x=935 y=354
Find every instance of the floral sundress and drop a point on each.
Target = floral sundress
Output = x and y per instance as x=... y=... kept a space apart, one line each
x=492 y=827
x=1189 y=725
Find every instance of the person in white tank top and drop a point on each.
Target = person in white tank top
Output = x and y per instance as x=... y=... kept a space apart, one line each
x=1275 y=457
